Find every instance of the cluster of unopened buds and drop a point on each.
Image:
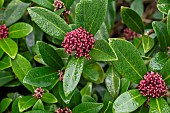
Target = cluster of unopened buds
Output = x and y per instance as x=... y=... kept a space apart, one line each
x=64 y=110
x=80 y=41
x=38 y=93
x=61 y=74
x=3 y=31
x=153 y=85
x=58 y=4
x=129 y=34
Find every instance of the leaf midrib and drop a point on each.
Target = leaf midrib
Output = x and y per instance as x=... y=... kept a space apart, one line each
x=157 y=102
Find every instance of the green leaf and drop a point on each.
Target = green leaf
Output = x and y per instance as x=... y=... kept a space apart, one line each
x=63 y=55
x=88 y=107
x=160 y=29
x=19 y=30
x=87 y=98
x=148 y=43
x=41 y=76
x=132 y=20
x=49 y=98
x=44 y=3
x=1 y=3
x=109 y=108
x=129 y=101
x=72 y=74
x=26 y=102
x=163 y=6
x=15 y=108
x=1 y=53
x=110 y=16
x=87 y=90
x=38 y=105
x=158 y=61
x=102 y=51
x=14 y=11
x=112 y=82
x=137 y=5
x=38 y=111
x=49 y=22
x=131 y=66
x=39 y=59
x=166 y=73
x=168 y=22
x=94 y=73
x=90 y=14
x=62 y=95
x=5 y=102
x=50 y=56
x=9 y=47
x=158 y=105
x=68 y=3
x=5 y=62
x=102 y=33
x=5 y=77
x=124 y=85
x=21 y=66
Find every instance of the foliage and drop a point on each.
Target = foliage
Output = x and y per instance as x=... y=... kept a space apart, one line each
x=38 y=75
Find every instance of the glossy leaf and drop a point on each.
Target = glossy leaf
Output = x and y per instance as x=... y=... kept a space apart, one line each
x=87 y=90
x=112 y=82
x=131 y=66
x=1 y=3
x=136 y=23
x=62 y=95
x=38 y=105
x=21 y=66
x=5 y=77
x=87 y=98
x=26 y=102
x=88 y=107
x=110 y=16
x=5 y=62
x=4 y=104
x=90 y=14
x=50 y=56
x=68 y=3
x=19 y=30
x=137 y=5
x=38 y=111
x=9 y=47
x=124 y=85
x=72 y=74
x=160 y=29
x=168 y=22
x=102 y=51
x=148 y=43
x=63 y=55
x=158 y=105
x=41 y=77
x=49 y=98
x=14 y=11
x=163 y=6
x=49 y=22
x=158 y=61
x=109 y=108
x=44 y=3
x=15 y=108
x=102 y=33
x=165 y=72
x=129 y=101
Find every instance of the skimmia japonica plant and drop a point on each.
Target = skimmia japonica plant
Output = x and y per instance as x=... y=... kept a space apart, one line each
x=84 y=56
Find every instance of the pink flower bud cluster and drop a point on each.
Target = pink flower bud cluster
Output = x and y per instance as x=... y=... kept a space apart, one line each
x=169 y=50
x=153 y=85
x=129 y=34
x=3 y=31
x=58 y=4
x=61 y=74
x=80 y=41
x=64 y=110
x=38 y=93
